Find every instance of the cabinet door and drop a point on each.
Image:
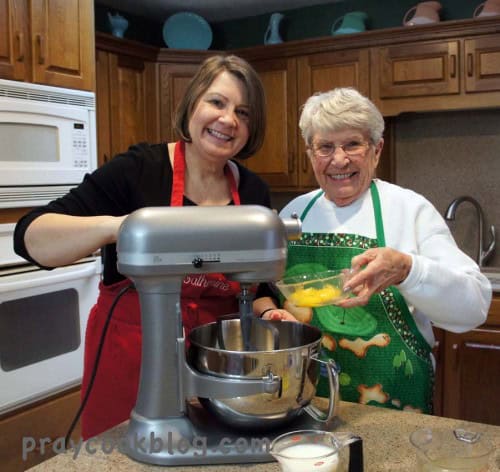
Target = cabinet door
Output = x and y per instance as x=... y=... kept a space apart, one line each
x=276 y=162
x=103 y=108
x=417 y=69
x=174 y=79
x=471 y=376
x=323 y=72
x=482 y=64
x=132 y=102
x=15 y=49
x=62 y=36
x=44 y=423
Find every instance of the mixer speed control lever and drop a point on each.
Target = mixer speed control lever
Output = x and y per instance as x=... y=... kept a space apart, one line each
x=197 y=262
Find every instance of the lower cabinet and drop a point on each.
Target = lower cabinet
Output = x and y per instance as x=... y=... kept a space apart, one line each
x=468 y=375
x=30 y=436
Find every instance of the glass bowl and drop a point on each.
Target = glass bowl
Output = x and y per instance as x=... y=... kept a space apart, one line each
x=315 y=289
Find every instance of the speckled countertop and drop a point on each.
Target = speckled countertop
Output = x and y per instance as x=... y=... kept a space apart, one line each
x=385 y=436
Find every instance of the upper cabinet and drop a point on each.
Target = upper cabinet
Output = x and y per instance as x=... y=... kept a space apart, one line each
x=48 y=42
x=176 y=69
x=482 y=64
x=126 y=96
x=452 y=74
x=288 y=82
x=321 y=72
x=409 y=71
x=277 y=161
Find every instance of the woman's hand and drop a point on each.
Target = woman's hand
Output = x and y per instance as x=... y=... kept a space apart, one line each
x=278 y=314
x=375 y=270
x=265 y=308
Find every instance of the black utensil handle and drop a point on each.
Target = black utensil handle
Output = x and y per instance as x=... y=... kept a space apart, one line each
x=356 y=455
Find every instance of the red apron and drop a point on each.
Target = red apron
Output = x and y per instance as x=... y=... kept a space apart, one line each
x=204 y=297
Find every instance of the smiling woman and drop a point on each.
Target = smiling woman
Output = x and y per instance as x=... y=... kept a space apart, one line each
x=399 y=249
x=220 y=117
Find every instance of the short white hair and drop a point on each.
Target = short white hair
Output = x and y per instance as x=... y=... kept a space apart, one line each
x=339 y=109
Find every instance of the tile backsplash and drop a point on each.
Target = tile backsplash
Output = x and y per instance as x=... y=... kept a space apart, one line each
x=445 y=155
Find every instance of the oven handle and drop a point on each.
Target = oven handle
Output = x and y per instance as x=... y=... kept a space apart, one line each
x=44 y=277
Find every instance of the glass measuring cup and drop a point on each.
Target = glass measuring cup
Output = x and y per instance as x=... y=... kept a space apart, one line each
x=318 y=451
x=446 y=450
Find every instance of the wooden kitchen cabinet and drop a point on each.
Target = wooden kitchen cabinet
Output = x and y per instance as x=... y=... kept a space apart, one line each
x=469 y=387
x=48 y=42
x=277 y=161
x=126 y=97
x=288 y=83
x=176 y=69
x=406 y=70
x=454 y=74
x=323 y=72
x=174 y=79
x=482 y=64
x=47 y=421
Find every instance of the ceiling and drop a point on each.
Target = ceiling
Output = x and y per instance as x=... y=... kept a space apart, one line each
x=212 y=10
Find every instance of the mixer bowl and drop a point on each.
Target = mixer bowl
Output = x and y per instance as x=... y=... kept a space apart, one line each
x=284 y=349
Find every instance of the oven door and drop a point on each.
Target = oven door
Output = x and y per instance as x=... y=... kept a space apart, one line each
x=43 y=316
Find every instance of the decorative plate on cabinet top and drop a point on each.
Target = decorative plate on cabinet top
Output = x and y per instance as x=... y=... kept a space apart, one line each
x=187 y=30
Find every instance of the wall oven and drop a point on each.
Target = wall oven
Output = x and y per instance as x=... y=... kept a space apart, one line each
x=43 y=316
x=48 y=137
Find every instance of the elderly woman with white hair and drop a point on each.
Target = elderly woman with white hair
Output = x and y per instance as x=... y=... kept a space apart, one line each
x=409 y=273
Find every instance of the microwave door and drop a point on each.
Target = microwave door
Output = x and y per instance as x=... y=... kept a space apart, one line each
x=44 y=148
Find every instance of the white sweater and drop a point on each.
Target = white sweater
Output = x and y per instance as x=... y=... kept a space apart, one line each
x=444 y=287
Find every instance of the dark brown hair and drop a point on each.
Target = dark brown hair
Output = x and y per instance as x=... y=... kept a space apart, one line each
x=208 y=71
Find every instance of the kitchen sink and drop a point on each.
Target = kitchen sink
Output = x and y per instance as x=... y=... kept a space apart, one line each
x=493 y=274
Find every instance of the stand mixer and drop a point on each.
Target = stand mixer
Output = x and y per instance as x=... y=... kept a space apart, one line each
x=157 y=247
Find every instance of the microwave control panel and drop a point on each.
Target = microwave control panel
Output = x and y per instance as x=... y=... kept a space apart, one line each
x=80 y=146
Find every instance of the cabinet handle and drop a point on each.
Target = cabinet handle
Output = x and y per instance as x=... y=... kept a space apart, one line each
x=456 y=352
x=436 y=350
x=291 y=162
x=41 y=49
x=304 y=162
x=20 y=46
x=470 y=65
x=105 y=158
x=453 y=67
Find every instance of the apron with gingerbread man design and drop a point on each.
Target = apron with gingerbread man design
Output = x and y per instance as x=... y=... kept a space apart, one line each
x=383 y=358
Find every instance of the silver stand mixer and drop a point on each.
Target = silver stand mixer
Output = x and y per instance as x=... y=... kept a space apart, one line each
x=157 y=247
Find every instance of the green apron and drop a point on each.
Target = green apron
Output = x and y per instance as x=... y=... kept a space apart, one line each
x=383 y=358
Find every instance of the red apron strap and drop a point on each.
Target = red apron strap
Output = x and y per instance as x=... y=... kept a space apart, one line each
x=177 y=196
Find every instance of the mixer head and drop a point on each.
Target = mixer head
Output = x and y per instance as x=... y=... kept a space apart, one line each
x=247 y=243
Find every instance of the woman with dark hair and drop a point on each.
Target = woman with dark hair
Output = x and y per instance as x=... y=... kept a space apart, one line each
x=221 y=117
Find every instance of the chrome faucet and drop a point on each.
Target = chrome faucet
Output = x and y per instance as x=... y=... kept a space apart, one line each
x=482 y=255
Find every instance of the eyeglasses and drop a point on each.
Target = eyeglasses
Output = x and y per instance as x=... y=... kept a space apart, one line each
x=351 y=149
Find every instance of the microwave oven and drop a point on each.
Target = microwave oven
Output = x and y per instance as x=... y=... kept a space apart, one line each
x=48 y=137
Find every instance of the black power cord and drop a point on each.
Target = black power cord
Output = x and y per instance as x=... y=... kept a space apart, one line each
x=96 y=364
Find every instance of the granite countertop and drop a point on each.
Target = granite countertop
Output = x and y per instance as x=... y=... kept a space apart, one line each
x=385 y=436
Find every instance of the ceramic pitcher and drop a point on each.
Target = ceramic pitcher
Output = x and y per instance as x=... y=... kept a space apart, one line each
x=353 y=22
x=488 y=8
x=422 y=14
x=118 y=23
x=272 y=35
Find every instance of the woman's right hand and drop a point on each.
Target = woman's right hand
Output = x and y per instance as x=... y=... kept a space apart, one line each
x=278 y=314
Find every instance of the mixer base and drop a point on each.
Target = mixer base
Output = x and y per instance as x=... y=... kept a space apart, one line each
x=199 y=438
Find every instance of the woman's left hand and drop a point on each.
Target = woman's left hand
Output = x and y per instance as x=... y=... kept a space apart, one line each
x=374 y=270
x=278 y=315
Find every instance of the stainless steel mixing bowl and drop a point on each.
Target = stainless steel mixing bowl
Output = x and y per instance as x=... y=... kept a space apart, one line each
x=285 y=349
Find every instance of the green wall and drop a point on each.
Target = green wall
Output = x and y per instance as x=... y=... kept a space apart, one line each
x=301 y=23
